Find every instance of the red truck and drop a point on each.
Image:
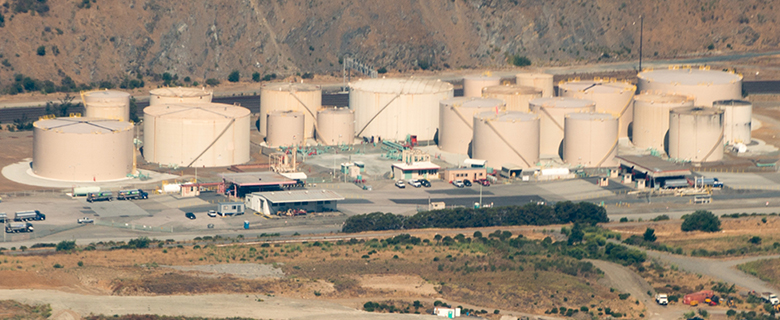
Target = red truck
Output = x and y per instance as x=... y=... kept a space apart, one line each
x=704 y=296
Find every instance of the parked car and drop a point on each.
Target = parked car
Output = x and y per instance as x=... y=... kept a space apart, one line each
x=458 y=183
x=414 y=183
x=425 y=183
x=212 y=213
x=467 y=183
x=86 y=220
x=190 y=215
x=400 y=184
x=484 y=182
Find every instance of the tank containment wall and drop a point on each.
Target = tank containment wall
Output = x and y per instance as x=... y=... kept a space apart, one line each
x=610 y=97
x=456 y=120
x=704 y=85
x=516 y=97
x=285 y=128
x=590 y=140
x=107 y=104
x=651 y=118
x=395 y=108
x=473 y=85
x=552 y=112
x=696 y=134
x=737 y=117
x=541 y=81
x=506 y=138
x=179 y=95
x=283 y=96
x=336 y=126
x=82 y=149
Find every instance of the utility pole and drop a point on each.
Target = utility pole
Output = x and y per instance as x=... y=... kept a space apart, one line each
x=641 y=36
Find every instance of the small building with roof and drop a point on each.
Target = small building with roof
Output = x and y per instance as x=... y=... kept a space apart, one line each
x=240 y=184
x=653 y=170
x=293 y=202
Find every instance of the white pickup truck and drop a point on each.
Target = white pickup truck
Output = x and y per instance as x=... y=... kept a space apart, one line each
x=769 y=297
x=661 y=299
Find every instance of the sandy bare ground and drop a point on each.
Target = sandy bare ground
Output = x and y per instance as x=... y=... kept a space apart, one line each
x=66 y=305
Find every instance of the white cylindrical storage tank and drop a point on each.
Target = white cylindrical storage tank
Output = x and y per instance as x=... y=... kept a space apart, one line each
x=696 y=134
x=82 y=149
x=552 y=112
x=704 y=85
x=541 y=81
x=509 y=137
x=610 y=97
x=590 y=140
x=336 y=126
x=107 y=104
x=179 y=95
x=283 y=96
x=473 y=85
x=198 y=134
x=737 y=119
x=651 y=118
x=456 y=120
x=395 y=108
x=285 y=128
x=515 y=96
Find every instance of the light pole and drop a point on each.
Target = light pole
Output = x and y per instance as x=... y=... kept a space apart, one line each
x=480 y=194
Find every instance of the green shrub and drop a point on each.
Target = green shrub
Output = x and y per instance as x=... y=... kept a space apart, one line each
x=234 y=76
x=701 y=220
x=520 y=61
x=212 y=82
x=650 y=235
x=66 y=245
x=41 y=51
x=58 y=266
x=80 y=263
x=256 y=77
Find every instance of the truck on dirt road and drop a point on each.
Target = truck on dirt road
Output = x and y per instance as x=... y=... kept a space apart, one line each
x=29 y=215
x=15 y=227
x=704 y=296
x=769 y=297
x=661 y=299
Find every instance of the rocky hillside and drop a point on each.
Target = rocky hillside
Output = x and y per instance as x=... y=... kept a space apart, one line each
x=99 y=40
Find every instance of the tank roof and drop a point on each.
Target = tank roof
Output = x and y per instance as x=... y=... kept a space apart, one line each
x=697 y=111
x=597 y=86
x=562 y=102
x=534 y=75
x=180 y=92
x=689 y=76
x=599 y=116
x=506 y=116
x=481 y=77
x=473 y=102
x=402 y=85
x=286 y=113
x=732 y=103
x=662 y=98
x=197 y=111
x=97 y=94
x=511 y=89
x=83 y=125
x=335 y=110
x=290 y=86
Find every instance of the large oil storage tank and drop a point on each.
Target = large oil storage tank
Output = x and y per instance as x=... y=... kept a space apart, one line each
x=508 y=137
x=737 y=119
x=107 y=104
x=179 y=95
x=515 y=96
x=473 y=85
x=590 y=139
x=610 y=97
x=395 y=108
x=651 y=118
x=282 y=96
x=197 y=134
x=456 y=120
x=541 y=81
x=336 y=126
x=552 y=112
x=82 y=149
x=696 y=134
x=704 y=85
x=285 y=128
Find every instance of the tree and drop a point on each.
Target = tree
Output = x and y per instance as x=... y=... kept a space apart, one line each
x=755 y=240
x=234 y=76
x=382 y=70
x=520 y=61
x=66 y=246
x=477 y=234
x=41 y=51
x=701 y=220
x=576 y=234
x=256 y=77
x=650 y=235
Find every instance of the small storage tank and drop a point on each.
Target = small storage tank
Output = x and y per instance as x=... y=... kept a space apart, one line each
x=609 y=96
x=336 y=126
x=196 y=134
x=179 y=95
x=473 y=85
x=552 y=112
x=541 y=81
x=395 y=108
x=696 y=134
x=590 y=140
x=515 y=96
x=456 y=120
x=283 y=96
x=82 y=149
x=704 y=85
x=651 y=118
x=509 y=137
x=737 y=119
x=285 y=128
x=107 y=104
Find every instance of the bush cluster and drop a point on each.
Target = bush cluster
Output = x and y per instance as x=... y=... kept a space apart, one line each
x=701 y=220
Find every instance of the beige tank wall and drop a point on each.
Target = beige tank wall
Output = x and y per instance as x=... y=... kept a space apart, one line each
x=590 y=140
x=306 y=99
x=610 y=97
x=696 y=134
x=336 y=126
x=510 y=137
x=473 y=85
x=705 y=86
x=107 y=104
x=541 y=81
x=552 y=122
x=651 y=118
x=285 y=128
x=456 y=120
x=163 y=96
x=516 y=97
x=737 y=120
